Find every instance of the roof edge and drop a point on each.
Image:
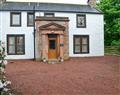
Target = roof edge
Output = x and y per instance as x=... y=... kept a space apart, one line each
x=45 y=3
x=55 y=11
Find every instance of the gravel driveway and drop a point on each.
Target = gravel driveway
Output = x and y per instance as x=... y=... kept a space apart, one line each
x=77 y=76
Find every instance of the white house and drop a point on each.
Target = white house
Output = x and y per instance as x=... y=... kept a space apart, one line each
x=51 y=31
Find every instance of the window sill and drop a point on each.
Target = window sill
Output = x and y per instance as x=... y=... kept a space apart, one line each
x=15 y=25
x=82 y=53
x=15 y=54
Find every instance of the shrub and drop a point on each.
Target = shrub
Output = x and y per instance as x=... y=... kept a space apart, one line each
x=115 y=43
x=3 y=82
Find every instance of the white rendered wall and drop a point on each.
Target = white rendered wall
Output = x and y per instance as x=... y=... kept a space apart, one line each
x=95 y=30
x=27 y=31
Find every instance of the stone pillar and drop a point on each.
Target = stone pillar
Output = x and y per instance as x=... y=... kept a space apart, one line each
x=62 y=46
x=44 y=47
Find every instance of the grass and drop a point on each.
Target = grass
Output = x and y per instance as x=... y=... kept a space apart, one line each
x=112 y=50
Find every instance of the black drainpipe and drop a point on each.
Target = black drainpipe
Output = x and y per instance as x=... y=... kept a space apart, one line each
x=34 y=30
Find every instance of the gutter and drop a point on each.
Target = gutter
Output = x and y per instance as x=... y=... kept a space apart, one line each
x=34 y=32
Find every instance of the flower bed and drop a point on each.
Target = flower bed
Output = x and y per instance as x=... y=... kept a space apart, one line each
x=4 y=90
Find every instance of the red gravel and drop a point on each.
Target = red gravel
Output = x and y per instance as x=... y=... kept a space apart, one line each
x=78 y=76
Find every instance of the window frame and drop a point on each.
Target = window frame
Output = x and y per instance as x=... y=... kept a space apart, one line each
x=11 y=19
x=53 y=14
x=77 y=20
x=29 y=13
x=15 y=36
x=88 y=44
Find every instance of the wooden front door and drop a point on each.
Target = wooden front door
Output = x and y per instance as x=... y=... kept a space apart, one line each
x=52 y=46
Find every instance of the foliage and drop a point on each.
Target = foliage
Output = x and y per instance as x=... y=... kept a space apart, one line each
x=111 y=10
x=3 y=82
x=115 y=43
x=112 y=50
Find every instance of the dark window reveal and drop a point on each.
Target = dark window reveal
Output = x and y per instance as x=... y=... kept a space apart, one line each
x=15 y=19
x=49 y=14
x=30 y=19
x=81 y=21
x=15 y=45
x=81 y=44
x=52 y=44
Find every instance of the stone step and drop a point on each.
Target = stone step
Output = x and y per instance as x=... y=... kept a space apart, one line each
x=53 y=61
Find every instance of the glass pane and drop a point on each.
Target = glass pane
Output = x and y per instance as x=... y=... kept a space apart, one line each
x=77 y=49
x=81 y=21
x=30 y=19
x=52 y=44
x=11 y=40
x=11 y=49
x=20 y=43
x=52 y=36
x=20 y=49
x=16 y=19
x=77 y=41
x=19 y=40
x=49 y=14
x=84 y=40
x=84 y=48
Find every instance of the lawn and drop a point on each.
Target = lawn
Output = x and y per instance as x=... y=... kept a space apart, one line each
x=77 y=76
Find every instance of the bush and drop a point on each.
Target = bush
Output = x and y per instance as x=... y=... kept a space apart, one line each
x=115 y=43
x=3 y=82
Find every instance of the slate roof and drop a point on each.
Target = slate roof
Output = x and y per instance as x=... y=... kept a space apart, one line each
x=48 y=7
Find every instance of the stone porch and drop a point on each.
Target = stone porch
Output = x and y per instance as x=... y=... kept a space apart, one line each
x=46 y=27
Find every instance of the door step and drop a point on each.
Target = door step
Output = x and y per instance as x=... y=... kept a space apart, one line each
x=53 y=61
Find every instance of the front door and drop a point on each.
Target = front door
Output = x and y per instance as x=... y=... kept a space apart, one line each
x=52 y=46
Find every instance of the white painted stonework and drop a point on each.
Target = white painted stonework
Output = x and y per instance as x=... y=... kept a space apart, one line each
x=27 y=31
x=94 y=28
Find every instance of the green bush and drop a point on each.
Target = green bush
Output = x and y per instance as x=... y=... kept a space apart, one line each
x=3 y=82
x=115 y=43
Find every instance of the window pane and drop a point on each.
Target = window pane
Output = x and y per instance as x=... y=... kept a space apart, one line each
x=19 y=40
x=52 y=44
x=49 y=14
x=30 y=19
x=20 y=49
x=77 y=49
x=52 y=36
x=84 y=40
x=11 y=40
x=81 y=20
x=15 y=19
x=81 y=44
x=20 y=45
x=84 y=48
x=11 y=47
x=77 y=41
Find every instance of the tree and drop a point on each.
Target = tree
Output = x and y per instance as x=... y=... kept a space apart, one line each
x=111 y=10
